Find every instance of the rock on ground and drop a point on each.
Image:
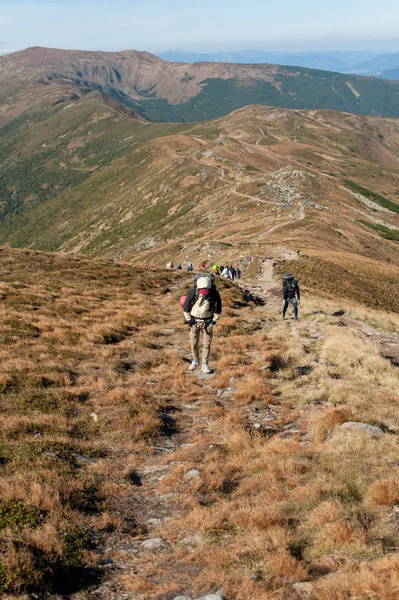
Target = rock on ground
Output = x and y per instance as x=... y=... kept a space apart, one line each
x=303 y=591
x=153 y=544
x=217 y=596
x=356 y=427
x=192 y=474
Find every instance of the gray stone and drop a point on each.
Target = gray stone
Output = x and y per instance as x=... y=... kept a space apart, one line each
x=168 y=443
x=182 y=598
x=217 y=596
x=153 y=544
x=192 y=474
x=303 y=590
x=290 y=432
x=227 y=393
x=357 y=427
x=84 y=458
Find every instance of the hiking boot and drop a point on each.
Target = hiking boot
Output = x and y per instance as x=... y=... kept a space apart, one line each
x=205 y=368
x=193 y=365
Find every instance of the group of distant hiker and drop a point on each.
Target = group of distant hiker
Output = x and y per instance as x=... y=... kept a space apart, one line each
x=229 y=272
x=202 y=308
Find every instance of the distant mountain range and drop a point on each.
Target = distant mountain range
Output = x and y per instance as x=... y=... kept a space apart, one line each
x=162 y=91
x=329 y=61
x=361 y=63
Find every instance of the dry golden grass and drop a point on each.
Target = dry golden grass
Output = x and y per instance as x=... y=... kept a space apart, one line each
x=87 y=371
x=267 y=512
x=77 y=347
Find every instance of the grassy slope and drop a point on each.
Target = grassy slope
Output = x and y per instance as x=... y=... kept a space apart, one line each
x=348 y=276
x=77 y=338
x=304 y=89
x=92 y=360
x=146 y=196
x=56 y=145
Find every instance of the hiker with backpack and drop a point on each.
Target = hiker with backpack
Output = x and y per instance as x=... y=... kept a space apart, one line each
x=202 y=309
x=190 y=268
x=238 y=273
x=291 y=294
x=225 y=272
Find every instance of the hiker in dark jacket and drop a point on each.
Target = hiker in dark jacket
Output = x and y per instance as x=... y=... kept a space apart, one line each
x=291 y=295
x=202 y=309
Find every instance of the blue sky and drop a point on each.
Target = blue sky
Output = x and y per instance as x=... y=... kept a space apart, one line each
x=206 y=25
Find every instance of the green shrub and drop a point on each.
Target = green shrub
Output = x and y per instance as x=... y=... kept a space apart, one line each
x=371 y=195
x=384 y=232
x=16 y=515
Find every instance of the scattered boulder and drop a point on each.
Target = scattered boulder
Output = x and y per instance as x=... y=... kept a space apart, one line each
x=192 y=474
x=84 y=458
x=338 y=313
x=303 y=591
x=358 y=427
x=226 y=393
x=153 y=544
x=216 y=596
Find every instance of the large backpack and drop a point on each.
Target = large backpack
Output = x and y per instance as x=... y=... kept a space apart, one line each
x=208 y=276
x=287 y=278
x=291 y=286
x=210 y=286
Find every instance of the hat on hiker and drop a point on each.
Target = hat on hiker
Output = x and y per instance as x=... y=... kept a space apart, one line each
x=204 y=283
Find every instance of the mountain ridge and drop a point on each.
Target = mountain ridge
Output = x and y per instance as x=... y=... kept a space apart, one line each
x=162 y=91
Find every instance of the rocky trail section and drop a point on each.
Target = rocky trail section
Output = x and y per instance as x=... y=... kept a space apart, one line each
x=171 y=470
x=177 y=475
x=136 y=480
x=388 y=342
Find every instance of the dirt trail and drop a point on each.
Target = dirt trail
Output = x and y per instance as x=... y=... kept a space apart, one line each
x=187 y=442
x=266 y=286
x=269 y=290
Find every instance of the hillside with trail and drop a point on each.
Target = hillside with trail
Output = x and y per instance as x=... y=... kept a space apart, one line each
x=123 y=476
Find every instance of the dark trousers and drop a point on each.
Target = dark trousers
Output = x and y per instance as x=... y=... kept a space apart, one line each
x=294 y=303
